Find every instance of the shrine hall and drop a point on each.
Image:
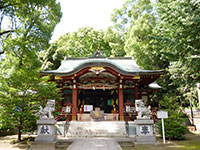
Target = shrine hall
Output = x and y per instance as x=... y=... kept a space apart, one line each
x=108 y=86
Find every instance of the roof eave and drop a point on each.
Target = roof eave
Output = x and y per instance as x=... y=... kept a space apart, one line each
x=55 y=72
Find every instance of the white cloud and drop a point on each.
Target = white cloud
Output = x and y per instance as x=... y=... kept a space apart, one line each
x=85 y=13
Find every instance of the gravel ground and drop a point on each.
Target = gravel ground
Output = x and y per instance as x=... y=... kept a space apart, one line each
x=10 y=143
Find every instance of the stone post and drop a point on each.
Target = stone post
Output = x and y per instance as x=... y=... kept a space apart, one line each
x=144 y=130
x=144 y=125
x=46 y=138
x=46 y=130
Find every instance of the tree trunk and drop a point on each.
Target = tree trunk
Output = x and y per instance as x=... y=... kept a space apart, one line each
x=20 y=130
x=191 y=110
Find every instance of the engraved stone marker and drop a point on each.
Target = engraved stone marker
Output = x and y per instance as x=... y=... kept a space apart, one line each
x=46 y=123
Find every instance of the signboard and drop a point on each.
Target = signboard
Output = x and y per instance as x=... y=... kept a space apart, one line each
x=68 y=109
x=128 y=108
x=88 y=108
x=162 y=114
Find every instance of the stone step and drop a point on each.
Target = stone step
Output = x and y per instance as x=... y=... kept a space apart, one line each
x=78 y=129
x=62 y=145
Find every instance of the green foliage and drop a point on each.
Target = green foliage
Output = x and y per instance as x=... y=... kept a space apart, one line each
x=25 y=29
x=131 y=10
x=82 y=43
x=139 y=45
x=139 y=28
x=175 y=127
x=22 y=90
x=164 y=34
x=27 y=23
x=177 y=30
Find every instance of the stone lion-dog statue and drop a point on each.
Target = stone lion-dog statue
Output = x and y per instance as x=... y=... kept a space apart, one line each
x=143 y=111
x=47 y=111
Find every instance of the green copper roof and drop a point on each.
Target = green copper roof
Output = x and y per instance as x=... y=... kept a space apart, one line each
x=124 y=65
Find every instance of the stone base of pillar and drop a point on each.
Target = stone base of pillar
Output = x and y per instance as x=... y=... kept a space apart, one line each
x=73 y=117
x=121 y=118
x=144 y=132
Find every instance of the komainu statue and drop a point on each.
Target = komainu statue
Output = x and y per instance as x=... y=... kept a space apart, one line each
x=46 y=112
x=143 y=111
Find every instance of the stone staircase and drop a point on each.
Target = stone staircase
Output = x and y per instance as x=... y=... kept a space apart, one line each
x=80 y=129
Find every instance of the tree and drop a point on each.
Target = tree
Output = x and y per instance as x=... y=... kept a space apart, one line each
x=137 y=20
x=178 y=30
x=27 y=22
x=82 y=43
x=22 y=90
x=28 y=31
x=174 y=124
x=115 y=41
x=139 y=45
x=131 y=10
x=164 y=35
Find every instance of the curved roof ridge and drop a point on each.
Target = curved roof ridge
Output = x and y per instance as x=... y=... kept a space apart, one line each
x=126 y=66
x=79 y=58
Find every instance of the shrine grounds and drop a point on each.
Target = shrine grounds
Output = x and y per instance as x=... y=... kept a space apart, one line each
x=192 y=142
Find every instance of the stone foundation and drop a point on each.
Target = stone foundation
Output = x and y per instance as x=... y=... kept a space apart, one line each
x=46 y=130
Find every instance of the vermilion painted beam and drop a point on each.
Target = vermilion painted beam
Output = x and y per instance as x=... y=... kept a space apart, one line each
x=83 y=71
x=111 y=71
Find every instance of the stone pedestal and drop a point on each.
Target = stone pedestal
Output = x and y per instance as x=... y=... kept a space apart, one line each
x=46 y=130
x=144 y=129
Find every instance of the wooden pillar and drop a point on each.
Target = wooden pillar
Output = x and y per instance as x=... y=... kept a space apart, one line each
x=74 y=102
x=121 y=104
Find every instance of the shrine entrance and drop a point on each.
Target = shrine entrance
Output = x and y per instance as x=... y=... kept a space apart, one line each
x=106 y=100
x=104 y=83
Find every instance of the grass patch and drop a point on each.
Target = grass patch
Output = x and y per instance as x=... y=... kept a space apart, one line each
x=192 y=142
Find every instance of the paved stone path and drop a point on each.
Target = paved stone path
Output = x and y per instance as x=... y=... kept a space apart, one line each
x=94 y=144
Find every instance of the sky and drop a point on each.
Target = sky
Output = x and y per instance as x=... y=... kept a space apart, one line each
x=85 y=13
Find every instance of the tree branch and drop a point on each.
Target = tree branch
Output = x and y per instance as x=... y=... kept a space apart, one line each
x=4 y=32
x=4 y=6
x=2 y=52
